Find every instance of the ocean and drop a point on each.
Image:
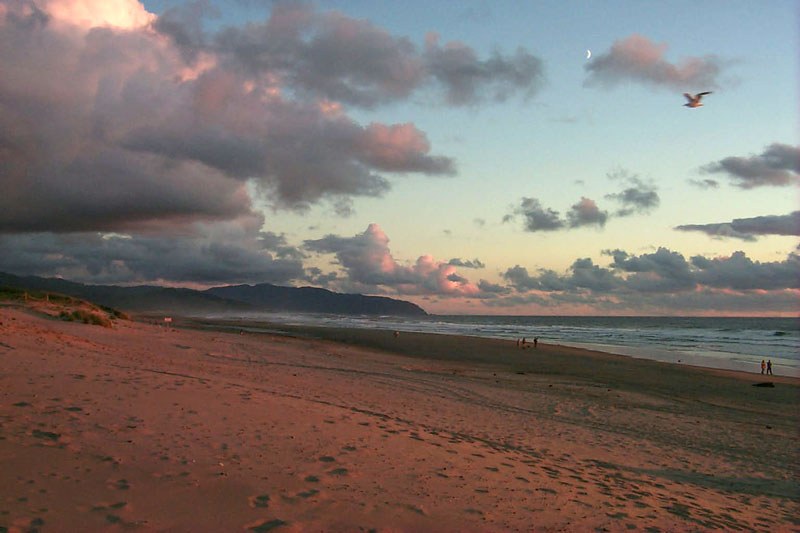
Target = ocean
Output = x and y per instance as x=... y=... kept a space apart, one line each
x=734 y=343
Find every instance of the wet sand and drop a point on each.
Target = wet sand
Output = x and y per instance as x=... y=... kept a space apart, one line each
x=204 y=429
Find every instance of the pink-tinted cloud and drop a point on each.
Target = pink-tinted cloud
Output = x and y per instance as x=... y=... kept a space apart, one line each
x=638 y=59
x=105 y=126
x=401 y=147
x=125 y=14
x=586 y=213
x=368 y=262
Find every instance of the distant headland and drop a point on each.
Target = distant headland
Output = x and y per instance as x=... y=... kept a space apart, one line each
x=243 y=298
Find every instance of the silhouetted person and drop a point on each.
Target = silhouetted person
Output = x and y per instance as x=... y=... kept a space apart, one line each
x=535 y=342
x=523 y=343
x=763 y=366
x=769 y=367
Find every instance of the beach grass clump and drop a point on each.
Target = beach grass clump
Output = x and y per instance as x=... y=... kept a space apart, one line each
x=87 y=317
x=115 y=314
x=62 y=306
x=11 y=293
x=19 y=294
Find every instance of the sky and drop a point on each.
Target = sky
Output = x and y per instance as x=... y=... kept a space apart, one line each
x=469 y=156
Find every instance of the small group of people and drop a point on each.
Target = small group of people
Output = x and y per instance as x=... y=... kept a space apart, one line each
x=523 y=343
x=766 y=368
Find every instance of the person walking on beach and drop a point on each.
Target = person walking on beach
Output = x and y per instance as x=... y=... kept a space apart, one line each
x=769 y=367
x=535 y=342
x=763 y=366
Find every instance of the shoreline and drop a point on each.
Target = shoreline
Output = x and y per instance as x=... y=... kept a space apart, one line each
x=502 y=351
x=129 y=427
x=643 y=348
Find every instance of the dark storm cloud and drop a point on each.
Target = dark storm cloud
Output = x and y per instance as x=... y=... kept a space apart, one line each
x=475 y=263
x=638 y=59
x=91 y=257
x=117 y=128
x=777 y=166
x=536 y=217
x=748 y=228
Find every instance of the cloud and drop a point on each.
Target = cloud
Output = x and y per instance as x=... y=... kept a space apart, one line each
x=119 y=126
x=467 y=79
x=629 y=277
x=706 y=183
x=582 y=274
x=123 y=14
x=332 y=56
x=747 y=228
x=536 y=217
x=184 y=25
x=662 y=271
x=638 y=59
x=639 y=197
x=369 y=264
x=777 y=166
x=475 y=263
x=219 y=253
x=739 y=272
x=586 y=213
x=492 y=288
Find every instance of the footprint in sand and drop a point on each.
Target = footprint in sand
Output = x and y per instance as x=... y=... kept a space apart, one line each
x=265 y=525
x=262 y=500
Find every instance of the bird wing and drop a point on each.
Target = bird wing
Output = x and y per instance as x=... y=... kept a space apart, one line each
x=703 y=94
x=688 y=96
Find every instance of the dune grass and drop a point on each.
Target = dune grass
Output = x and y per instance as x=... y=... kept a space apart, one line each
x=62 y=306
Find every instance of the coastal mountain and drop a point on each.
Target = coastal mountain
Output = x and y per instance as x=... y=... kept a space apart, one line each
x=314 y=300
x=262 y=297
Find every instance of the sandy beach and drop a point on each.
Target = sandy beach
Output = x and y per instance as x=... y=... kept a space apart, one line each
x=206 y=427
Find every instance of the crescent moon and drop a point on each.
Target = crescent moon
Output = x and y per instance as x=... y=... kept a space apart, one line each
x=588 y=54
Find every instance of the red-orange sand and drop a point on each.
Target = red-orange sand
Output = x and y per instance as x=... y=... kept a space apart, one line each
x=141 y=428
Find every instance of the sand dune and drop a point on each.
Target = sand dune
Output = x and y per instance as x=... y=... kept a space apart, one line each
x=139 y=427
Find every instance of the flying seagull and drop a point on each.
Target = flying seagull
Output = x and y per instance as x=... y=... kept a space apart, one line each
x=694 y=101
